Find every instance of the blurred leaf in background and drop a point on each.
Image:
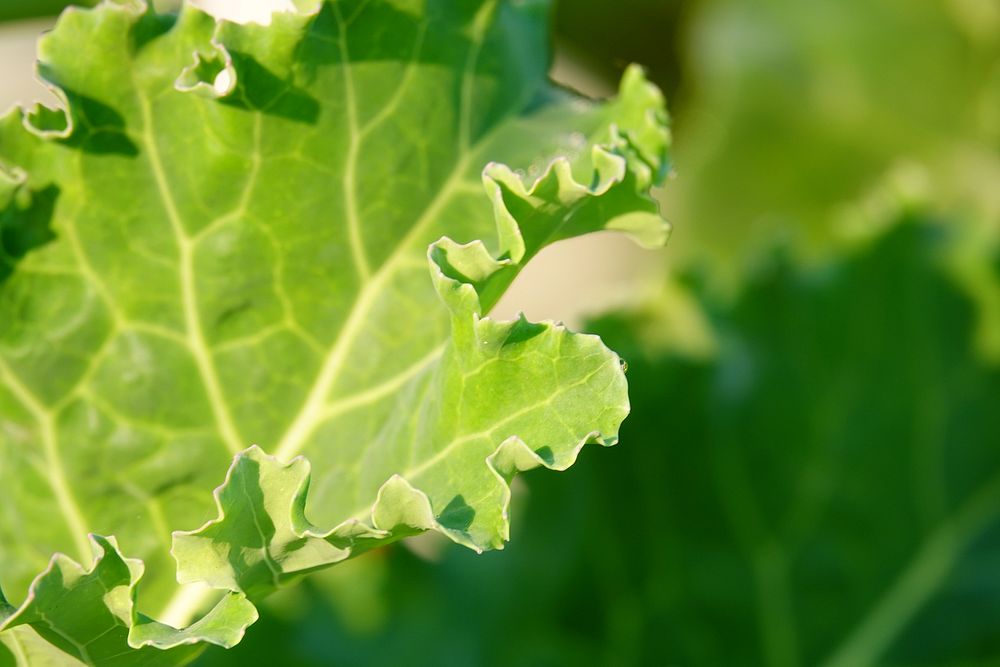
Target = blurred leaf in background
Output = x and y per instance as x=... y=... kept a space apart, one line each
x=822 y=488
x=828 y=487
x=606 y=37
x=13 y=10
x=793 y=111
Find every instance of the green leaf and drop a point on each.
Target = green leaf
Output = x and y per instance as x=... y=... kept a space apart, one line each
x=803 y=113
x=225 y=241
x=824 y=490
x=91 y=615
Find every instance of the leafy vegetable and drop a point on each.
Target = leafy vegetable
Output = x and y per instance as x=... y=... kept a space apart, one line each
x=224 y=241
x=823 y=491
x=838 y=379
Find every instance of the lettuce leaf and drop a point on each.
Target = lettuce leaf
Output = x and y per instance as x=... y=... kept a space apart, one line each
x=818 y=485
x=225 y=240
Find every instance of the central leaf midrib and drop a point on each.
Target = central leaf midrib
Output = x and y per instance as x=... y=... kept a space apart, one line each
x=182 y=605
x=312 y=413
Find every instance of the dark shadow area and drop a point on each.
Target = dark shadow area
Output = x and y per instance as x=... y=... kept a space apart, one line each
x=608 y=36
x=259 y=89
x=381 y=32
x=248 y=530
x=522 y=330
x=108 y=142
x=546 y=454
x=151 y=26
x=100 y=129
x=442 y=258
x=511 y=64
x=457 y=514
x=6 y=657
x=24 y=229
x=13 y=10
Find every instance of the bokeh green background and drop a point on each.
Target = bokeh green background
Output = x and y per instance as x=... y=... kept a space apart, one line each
x=811 y=473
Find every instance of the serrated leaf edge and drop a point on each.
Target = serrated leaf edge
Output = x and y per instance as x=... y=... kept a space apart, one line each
x=105 y=547
x=626 y=154
x=614 y=162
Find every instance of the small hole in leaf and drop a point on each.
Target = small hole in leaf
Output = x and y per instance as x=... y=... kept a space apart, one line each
x=223 y=82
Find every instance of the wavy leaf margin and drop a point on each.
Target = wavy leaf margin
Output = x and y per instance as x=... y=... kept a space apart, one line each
x=469 y=280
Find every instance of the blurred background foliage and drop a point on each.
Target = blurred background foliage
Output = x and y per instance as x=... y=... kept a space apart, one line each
x=13 y=10
x=811 y=474
x=796 y=113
